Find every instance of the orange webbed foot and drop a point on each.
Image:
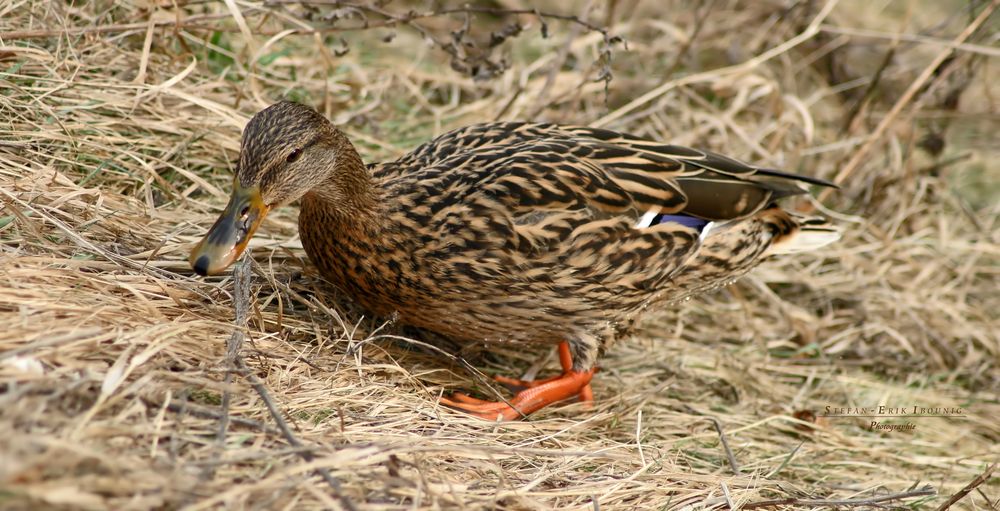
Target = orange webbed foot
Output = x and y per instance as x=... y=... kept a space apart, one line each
x=533 y=396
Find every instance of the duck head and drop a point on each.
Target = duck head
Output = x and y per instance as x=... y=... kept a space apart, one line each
x=287 y=150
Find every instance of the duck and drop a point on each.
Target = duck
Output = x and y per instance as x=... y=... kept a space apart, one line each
x=513 y=232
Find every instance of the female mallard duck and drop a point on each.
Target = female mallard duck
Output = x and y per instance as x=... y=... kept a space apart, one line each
x=512 y=231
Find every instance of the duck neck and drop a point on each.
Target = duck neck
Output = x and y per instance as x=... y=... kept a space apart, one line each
x=349 y=194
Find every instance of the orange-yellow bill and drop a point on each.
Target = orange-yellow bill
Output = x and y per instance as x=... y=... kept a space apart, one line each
x=226 y=239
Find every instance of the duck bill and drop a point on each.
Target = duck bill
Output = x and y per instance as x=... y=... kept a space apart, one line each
x=227 y=239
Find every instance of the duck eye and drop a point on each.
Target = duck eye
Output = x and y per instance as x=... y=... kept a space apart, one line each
x=294 y=155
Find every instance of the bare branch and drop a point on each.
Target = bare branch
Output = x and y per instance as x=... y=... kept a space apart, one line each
x=960 y=494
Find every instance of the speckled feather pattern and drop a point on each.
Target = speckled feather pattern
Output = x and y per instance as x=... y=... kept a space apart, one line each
x=523 y=232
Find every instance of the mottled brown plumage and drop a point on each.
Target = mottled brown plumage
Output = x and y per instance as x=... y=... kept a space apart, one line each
x=519 y=232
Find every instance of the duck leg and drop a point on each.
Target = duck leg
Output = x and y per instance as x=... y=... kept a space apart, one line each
x=565 y=360
x=535 y=394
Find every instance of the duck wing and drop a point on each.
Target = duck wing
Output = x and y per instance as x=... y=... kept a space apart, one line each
x=637 y=173
x=566 y=204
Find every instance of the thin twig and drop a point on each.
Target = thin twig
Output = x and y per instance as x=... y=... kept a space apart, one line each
x=241 y=299
x=960 y=494
x=725 y=445
x=871 y=501
x=241 y=276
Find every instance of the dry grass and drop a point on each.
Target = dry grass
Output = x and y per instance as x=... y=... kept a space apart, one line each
x=115 y=156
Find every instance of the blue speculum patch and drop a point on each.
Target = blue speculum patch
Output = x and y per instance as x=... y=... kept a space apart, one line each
x=685 y=220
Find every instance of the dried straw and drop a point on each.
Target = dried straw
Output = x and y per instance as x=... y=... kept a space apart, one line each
x=118 y=128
